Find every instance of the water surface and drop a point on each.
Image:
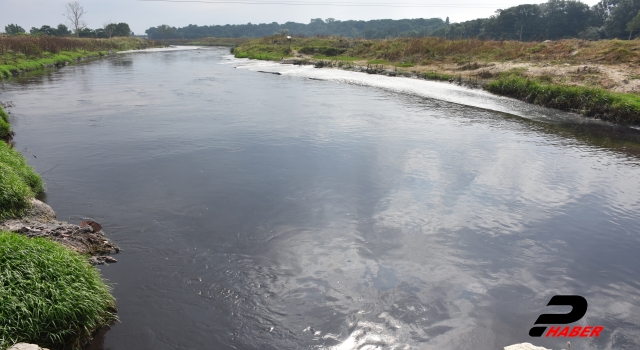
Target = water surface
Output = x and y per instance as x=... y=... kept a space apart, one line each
x=262 y=211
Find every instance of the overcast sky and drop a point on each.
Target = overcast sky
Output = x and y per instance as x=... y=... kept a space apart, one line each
x=141 y=15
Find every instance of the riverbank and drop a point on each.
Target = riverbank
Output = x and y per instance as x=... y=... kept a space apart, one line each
x=49 y=292
x=22 y=54
x=597 y=79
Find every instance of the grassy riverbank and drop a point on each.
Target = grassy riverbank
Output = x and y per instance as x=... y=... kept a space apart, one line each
x=595 y=78
x=21 y=54
x=49 y=295
x=18 y=181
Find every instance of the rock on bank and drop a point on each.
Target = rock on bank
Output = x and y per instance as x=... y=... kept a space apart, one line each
x=41 y=221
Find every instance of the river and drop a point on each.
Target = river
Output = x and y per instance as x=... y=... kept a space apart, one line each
x=320 y=208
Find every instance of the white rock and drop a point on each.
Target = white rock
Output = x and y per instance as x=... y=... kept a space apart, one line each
x=25 y=346
x=524 y=346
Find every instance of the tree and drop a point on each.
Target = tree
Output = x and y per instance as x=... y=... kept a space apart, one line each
x=565 y=18
x=634 y=24
x=62 y=30
x=618 y=14
x=75 y=13
x=87 y=33
x=13 y=29
x=108 y=28
x=122 y=29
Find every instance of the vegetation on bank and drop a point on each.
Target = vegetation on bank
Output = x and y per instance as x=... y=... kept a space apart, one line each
x=18 y=181
x=49 y=294
x=592 y=102
x=582 y=90
x=5 y=127
x=20 y=54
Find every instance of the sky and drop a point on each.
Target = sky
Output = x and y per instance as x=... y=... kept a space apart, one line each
x=140 y=15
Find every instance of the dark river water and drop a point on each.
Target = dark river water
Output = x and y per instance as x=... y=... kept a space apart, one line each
x=345 y=211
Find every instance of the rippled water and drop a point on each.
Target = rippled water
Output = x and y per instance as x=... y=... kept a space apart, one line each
x=262 y=211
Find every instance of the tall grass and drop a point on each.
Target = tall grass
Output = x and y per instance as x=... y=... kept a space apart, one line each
x=593 y=102
x=49 y=295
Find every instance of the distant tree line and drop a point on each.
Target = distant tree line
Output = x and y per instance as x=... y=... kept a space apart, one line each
x=107 y=31
x=365 y=29
x=555 y=19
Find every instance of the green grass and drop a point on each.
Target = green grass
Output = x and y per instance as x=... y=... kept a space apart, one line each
x=49 y=295
x=5 y=128
x=589 y=101
x=405 y=65
x=18 y=182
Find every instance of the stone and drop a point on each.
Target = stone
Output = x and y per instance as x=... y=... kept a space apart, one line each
x=524 y=346
x=40 y=211
x=25 y=346
x=81 y=239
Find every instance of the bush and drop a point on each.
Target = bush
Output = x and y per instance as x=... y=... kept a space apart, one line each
x=49 y=295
